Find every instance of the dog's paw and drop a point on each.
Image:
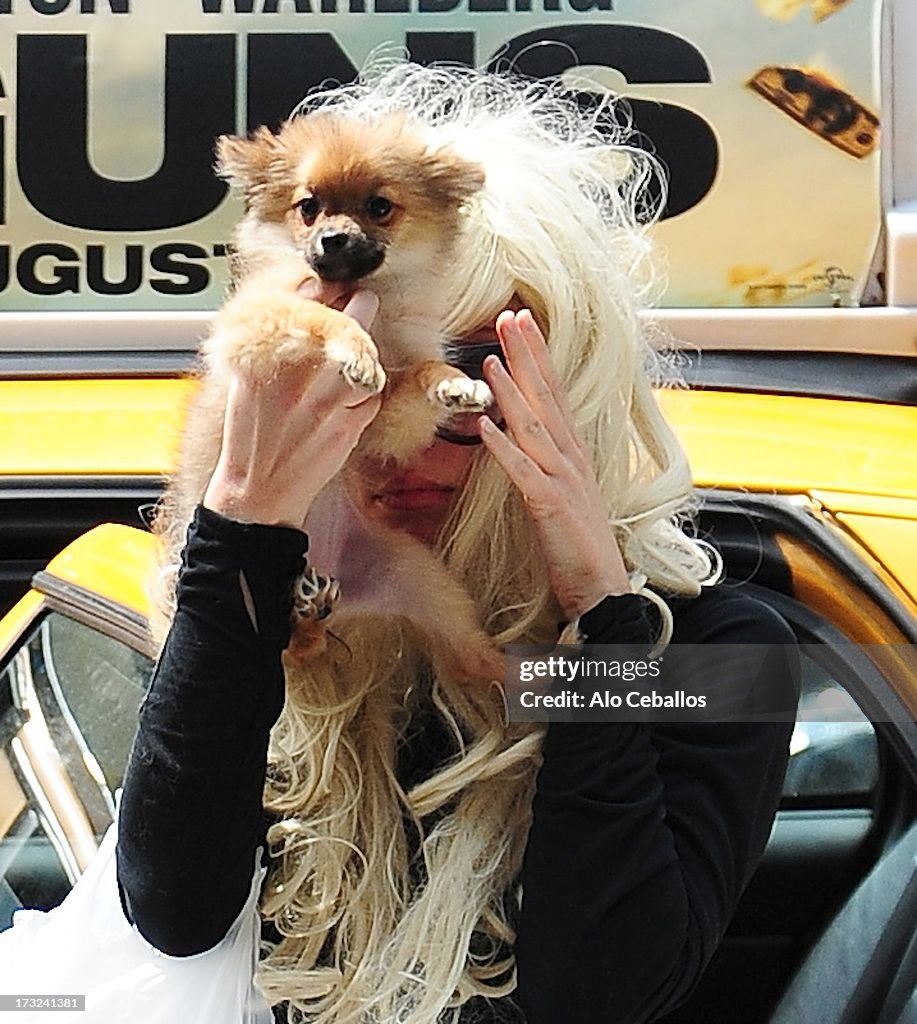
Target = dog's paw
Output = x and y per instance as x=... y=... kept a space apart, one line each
x=314 y=596
x=364 y=371
x=462 y=394
x=356 y=354
x=263 y=330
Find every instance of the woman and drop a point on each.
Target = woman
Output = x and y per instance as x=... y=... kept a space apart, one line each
x=428 y=861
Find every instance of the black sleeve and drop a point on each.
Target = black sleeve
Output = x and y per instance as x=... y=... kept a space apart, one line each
x=191 y=817
x=645 y=835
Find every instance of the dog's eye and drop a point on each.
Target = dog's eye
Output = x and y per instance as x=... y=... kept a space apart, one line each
x=379 y=208
x=309 y=210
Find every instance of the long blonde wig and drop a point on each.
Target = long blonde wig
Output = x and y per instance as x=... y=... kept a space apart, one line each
x=403 y=798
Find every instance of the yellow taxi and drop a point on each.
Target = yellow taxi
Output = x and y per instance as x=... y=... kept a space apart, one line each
x=787 y=130
x=773 y=474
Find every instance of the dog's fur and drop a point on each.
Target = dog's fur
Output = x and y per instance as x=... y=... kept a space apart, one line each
x=341 y=169
x=341 y=204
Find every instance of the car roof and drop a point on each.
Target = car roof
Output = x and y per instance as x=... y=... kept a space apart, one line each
x=111 y=561
x=800 y=444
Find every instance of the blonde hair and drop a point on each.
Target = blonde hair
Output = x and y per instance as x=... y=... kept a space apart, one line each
x=392 y=893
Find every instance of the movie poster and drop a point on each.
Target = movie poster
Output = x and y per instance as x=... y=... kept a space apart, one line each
x=766 y=114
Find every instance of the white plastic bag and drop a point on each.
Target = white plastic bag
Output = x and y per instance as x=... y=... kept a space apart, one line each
x=87 y=947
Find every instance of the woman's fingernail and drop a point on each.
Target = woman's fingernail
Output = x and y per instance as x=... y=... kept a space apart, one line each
x=363 y=306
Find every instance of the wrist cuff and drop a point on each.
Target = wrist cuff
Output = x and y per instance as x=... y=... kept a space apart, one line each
x=250 y=540
x=622 y=619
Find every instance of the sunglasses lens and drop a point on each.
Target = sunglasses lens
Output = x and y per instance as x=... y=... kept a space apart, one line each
x=470 y=358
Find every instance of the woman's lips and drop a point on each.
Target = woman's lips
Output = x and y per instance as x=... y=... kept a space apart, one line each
x=412 y=492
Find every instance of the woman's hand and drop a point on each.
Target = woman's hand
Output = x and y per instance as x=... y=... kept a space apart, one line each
x=284 y=440
x=544 y=458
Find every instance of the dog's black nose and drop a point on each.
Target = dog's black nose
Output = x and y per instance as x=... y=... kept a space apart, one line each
x=334 y=241
x=345 y=256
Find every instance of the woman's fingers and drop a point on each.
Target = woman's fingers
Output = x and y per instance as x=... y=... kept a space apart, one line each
x=526 y=429
x=343 y=423
x=524 y=472
x=285 y=438
x=333 y=438
x=530 y=365
x=326 y=389
x=544 y=458
x=538 y=349
x=525 y=399
x=363 y=306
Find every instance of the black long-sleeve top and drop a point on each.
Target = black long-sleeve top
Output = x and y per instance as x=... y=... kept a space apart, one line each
x=643 y=836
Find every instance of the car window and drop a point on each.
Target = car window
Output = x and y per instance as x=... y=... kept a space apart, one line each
x=98 y=683
x=834 y=752
x=32 y=873
x=78 y=691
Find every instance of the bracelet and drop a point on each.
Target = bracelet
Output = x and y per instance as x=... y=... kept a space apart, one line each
x=572 y=634
x=314 y=596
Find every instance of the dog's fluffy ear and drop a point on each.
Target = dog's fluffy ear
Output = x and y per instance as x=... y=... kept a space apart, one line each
x=250 y=164
x=452 y=178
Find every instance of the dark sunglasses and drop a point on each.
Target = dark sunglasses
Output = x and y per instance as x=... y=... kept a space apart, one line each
x=463 y=428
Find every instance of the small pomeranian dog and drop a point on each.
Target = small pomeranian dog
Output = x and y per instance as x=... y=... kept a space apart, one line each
x=339 y=204
x=349 y=204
